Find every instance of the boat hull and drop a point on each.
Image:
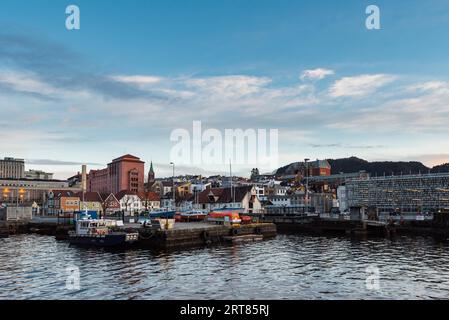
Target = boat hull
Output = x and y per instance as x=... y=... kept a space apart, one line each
x=112 y=240
x=162 y=215
x=192 y=217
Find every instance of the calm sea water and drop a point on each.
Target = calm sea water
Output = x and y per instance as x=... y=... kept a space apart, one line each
x=288 y=267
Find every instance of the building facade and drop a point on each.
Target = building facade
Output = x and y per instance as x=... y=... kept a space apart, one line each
x=130 y=202
x=150 y=200
x=408 y=194
x=25 y=190
x=124 y=173
x=61 y=202
x=239 y=197
x=38 y=175
x=90 y=201
x=11 y=168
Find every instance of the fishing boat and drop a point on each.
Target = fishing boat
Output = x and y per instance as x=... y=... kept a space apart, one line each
x=94 y=232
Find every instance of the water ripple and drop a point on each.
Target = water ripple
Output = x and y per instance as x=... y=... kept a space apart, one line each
x=288 y=267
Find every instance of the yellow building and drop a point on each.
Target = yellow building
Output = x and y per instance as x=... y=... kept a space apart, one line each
x=183 y=189
x=92 y=201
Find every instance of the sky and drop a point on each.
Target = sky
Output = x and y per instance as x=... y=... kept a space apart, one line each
x=136 y=71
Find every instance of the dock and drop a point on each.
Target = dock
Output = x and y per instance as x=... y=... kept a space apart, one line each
x=12 y=228
x=183 y=235
x=318 y=225
x=194 y=234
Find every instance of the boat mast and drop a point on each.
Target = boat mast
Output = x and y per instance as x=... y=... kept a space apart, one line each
x=230 y=173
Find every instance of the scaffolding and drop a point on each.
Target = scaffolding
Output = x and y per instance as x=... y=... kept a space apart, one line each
x=406 y=193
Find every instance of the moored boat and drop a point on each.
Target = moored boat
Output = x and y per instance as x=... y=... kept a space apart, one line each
x=225 y=215
x=99 y=233
x=162 y=214
x=194 y=215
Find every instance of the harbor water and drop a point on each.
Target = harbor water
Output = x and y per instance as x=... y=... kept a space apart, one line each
x=287 y=267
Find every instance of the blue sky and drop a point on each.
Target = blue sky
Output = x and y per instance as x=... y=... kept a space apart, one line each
x=136 y=70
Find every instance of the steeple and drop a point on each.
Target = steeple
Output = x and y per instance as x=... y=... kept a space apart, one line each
x=151 y=175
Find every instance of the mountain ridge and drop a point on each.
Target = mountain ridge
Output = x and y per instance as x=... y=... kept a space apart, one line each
x=354 y=164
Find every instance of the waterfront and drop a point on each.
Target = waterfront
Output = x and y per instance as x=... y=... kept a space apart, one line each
x=288 y=267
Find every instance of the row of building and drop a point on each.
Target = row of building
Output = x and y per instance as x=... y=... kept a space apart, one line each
x=12 y=168
x=306 y=186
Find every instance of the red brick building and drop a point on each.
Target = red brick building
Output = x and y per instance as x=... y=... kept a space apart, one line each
x=319 y=168
x=124 y=173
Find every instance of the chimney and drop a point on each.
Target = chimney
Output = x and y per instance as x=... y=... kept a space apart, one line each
x=84 y=178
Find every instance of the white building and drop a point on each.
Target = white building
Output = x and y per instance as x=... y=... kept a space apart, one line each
x=11 y=168
x=277 y=200
x=130 y=202
x=198 y=187
x=244 y=197
x=342 y=198
x=38 y=175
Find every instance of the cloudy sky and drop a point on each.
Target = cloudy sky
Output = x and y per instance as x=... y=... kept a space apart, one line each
x=137 y=70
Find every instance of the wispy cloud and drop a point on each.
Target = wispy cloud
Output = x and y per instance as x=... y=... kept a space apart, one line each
x=359 y=86
x=65 y=101
x=50 y=162
x=236 y=86
x=316 y=74
x=345 y=146
x=137 y=79
x=53 y=67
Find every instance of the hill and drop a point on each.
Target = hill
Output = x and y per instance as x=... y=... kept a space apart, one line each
x=379 y=168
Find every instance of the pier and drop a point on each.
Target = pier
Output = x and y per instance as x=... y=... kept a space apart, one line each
x=196 y=234
x=319 y=225
x=183 y=234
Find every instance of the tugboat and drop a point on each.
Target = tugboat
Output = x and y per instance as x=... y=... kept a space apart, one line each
x=91 y=232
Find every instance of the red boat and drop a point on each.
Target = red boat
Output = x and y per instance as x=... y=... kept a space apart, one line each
x=228 y=215
x=192 y=216
x=246 y=219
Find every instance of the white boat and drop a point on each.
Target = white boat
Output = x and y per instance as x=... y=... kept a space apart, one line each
x=194 y=215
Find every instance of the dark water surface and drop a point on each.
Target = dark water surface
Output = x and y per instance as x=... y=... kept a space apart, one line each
x=288 y=267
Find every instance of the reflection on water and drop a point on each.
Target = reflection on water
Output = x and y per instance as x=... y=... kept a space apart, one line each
x=288 y=267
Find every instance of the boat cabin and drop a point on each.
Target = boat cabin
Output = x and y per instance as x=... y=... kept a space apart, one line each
x=93 y=227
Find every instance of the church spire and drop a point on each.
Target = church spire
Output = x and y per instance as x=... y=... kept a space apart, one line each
x=151 y=175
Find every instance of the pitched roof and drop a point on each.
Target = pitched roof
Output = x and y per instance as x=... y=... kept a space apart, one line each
x=106 y=196
x=149 y=196
x=123 y=193
x=64 y=193
x=90 y=196
x=320 y=164
x=223 y=195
